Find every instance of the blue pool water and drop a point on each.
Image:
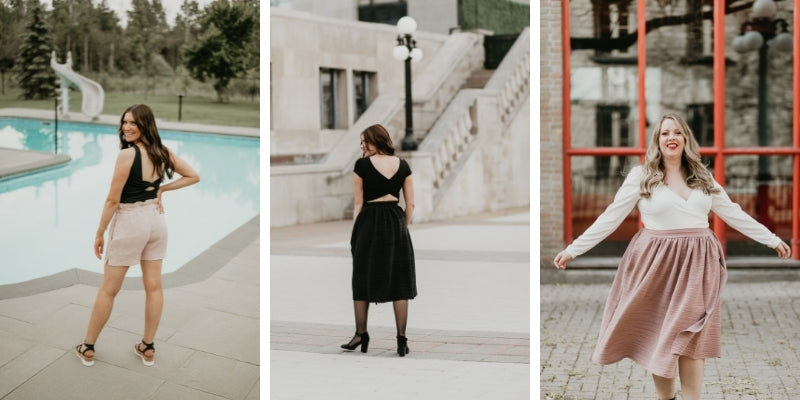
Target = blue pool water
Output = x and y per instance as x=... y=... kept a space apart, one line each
x=48 y=218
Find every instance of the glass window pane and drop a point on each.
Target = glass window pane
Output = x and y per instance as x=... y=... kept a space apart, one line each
x=327 y=109
x=759 y=79
x=603 y=74
x=768 y=199
x=592 y=193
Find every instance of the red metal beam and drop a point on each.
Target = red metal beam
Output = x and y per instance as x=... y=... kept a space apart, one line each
x=795 y=243
x=641 y=31
x=566 y=124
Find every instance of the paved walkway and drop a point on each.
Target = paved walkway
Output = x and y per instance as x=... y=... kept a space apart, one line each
x=760 y=336
x=468 y=328
x=207 y=342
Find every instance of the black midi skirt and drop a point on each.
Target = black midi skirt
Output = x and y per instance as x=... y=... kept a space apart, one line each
x=383 y=257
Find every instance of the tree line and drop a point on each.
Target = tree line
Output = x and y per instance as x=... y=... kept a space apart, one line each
x=217 y=43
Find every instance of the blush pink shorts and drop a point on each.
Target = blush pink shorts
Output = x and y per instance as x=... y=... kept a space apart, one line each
x=137 y=232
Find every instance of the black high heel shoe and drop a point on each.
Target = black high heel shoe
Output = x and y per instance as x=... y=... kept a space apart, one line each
x=364 y=342
x=402 y=346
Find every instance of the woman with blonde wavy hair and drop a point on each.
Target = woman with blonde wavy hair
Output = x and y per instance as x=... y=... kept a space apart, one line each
x=663 y=310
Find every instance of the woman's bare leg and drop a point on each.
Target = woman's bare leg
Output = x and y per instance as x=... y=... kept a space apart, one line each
x=154 y=299
x=691 y=372
x=104 y=302
x=665 y=387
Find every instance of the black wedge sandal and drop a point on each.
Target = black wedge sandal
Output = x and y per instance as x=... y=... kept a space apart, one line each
x=86 y=360
x=147 y=361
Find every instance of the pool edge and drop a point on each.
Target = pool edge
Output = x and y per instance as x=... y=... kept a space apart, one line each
x=198 y=269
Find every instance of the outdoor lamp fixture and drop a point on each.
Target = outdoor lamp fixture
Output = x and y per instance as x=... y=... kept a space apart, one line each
x=406 y=50
x=761 y=32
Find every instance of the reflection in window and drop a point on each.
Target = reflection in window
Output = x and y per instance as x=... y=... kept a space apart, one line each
x=611 y=20
x=698 y=30
x=612 y=130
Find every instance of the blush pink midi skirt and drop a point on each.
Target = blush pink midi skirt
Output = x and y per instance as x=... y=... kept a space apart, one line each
x=665 y=301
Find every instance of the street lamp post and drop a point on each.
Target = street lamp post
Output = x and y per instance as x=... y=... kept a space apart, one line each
x=407 y=51
x=761 y=32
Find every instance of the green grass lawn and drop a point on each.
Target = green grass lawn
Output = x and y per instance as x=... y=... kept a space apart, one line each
x=201 y=110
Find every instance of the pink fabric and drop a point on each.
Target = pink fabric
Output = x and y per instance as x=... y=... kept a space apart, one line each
x=665 y=301
x=136 y=232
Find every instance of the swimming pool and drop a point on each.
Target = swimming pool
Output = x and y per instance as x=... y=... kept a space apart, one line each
x=48 y=218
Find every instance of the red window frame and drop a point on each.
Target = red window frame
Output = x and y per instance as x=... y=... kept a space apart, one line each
x=718 y=151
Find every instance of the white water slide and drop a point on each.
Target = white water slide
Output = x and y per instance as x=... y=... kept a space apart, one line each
x=91 y=91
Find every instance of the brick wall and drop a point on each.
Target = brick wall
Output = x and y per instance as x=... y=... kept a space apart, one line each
x=551 y=214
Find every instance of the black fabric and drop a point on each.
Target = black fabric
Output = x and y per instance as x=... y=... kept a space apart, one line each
x=135 y=188
x=375 y=184
x=383 y=257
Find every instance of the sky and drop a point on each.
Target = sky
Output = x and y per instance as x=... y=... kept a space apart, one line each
x=120 y=7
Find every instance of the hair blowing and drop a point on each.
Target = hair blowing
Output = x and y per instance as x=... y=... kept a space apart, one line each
x=146 y=122
x=379 y=137
x=697 y=175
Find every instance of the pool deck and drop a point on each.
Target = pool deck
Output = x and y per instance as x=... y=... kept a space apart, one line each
x=13 y=161
x=207 y=342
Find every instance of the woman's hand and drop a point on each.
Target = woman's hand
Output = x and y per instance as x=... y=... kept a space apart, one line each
x=562 y=259
x=783 y=249
x=159 y=206
x=99 y=243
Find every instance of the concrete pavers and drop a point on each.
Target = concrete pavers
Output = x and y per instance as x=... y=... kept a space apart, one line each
x=761 y=326
x=207 y=342
x=468 y=328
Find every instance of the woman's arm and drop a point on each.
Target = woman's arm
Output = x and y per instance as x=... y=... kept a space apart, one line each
x=188 y=177
x=734 y=216
x=408 y=198
x=358 y=195
x=122 y=169
x=609 y=220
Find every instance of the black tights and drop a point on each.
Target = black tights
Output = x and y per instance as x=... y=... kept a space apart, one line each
x=400 y=315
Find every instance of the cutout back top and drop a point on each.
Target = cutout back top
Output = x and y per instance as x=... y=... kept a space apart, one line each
x=376 y=184
x=137 y=189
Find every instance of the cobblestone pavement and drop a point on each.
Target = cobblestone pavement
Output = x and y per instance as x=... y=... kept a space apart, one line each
x=760 y=341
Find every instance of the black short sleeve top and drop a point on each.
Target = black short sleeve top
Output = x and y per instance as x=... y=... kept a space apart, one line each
x=375 y=184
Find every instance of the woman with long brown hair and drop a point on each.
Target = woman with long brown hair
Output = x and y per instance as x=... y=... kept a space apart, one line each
x=133 y=215
x=383 y=257
x=663 y=310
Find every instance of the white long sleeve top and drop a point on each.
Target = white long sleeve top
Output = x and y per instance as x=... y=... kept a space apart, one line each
x=666 y=209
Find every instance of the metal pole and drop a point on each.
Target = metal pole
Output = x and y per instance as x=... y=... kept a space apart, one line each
x=180 y=105
x=408 y=141
x=55 y=112
x=763 y=177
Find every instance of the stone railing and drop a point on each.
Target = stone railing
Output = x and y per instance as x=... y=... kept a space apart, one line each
x=473 y=112
x=512 y=78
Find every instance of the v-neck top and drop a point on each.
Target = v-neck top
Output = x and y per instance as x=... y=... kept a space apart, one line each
x=376 y=185
x=666 y=210
x=135 y=188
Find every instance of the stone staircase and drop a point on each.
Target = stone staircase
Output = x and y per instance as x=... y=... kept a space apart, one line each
x=459 y=107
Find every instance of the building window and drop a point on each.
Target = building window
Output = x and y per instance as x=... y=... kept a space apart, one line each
x=611 y=21
x=383 y=11
x=611 y=131
x=699 y=31
x=700 y=118
x=363 y=91
x=332 y=99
